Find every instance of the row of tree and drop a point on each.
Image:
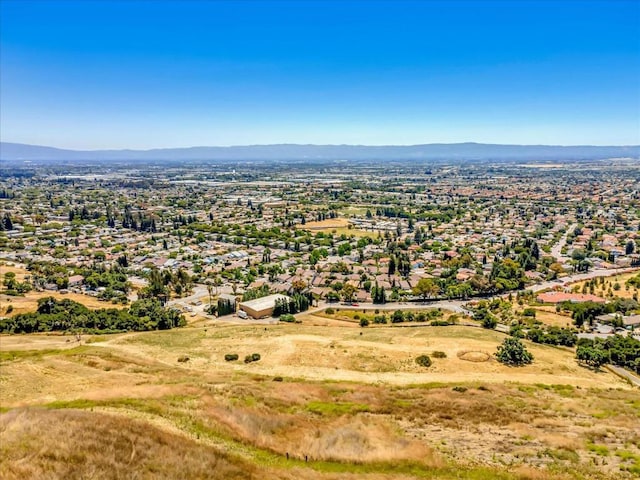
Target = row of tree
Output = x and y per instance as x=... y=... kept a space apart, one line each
x=67 y=315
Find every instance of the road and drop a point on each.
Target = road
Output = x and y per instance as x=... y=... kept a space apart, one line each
x=626 y=374
x=556 y=250
x=458 y=306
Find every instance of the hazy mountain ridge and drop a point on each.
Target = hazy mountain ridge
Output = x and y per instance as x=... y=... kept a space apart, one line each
x=434 y=151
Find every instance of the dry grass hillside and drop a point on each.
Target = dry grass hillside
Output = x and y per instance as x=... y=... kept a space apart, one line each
x=320 y=403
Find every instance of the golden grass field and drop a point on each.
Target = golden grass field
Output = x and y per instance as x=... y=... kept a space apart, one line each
x=602 y=290
x=353 y=401
x=337 y=226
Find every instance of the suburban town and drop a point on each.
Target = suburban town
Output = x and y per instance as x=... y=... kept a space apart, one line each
x=320 y=240
x=545 y=254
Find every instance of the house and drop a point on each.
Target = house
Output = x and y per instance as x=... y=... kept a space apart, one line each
x=262 y=307
x=631 y=321
x=75 y=280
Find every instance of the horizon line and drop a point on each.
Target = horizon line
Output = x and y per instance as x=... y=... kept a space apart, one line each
x=149 y=149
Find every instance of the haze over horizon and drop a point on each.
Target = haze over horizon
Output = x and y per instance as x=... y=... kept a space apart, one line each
x=144 y=75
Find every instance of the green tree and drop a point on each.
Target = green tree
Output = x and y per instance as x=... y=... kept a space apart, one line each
x=348 y=291
x=426 y=288
x=513 y=352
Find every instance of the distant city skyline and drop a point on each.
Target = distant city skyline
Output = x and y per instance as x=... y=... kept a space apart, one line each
x=142 y=75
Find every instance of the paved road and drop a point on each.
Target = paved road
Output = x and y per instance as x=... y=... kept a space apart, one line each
x=556 y=250
x=578 y=277
x=458 y=306
x=635 y=381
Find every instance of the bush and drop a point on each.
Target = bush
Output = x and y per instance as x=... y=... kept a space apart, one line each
x=364 y=322
x=529 y=312
x=513 y=352
x=287 y=317
x=489 y=322
x=380 y=319
x=329 y=311
x=397 y=317
x=9 y=309
x=254 y=357
x=439 y=323
x=183 y=359
x=423 y=361
x=231 y=357
x=438 y=354
x=459 y=389
x=278 y=379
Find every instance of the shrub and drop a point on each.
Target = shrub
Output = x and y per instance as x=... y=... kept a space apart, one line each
x=438 y=354
x=287 y=317
x=255 y=357
x=278 y=379
x=513 y=352
x=231 y=357
x=423 y=361
x=489 y=322
x=9 y=309
x=329 y=311
x=397 y=317
x=364 y=322
x=183 y=358
x=356 y=317
x=248 y=359
x=529 y=312
x=380 y=319
x=439 y=323
x=459 y=389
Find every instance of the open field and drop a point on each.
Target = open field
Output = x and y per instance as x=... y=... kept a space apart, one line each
x=602 y=289
x=352 y=400
x=337 y=226
x=20 y=271
x=547 y=314
x=327 y=224
x=29 y=302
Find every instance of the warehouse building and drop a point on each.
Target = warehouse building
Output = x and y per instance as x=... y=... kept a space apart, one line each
x=261 y=307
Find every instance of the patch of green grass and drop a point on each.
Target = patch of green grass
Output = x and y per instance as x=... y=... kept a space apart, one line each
x=601 y=450
x=335 y=408
x=604 y=414
x=14 y=355
x=626 y=455
x=562 y=454
x=201 y=429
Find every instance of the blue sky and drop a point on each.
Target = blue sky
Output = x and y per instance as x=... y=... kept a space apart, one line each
x=143 y=74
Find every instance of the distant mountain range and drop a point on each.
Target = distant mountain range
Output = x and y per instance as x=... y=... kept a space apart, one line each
x=291 y=152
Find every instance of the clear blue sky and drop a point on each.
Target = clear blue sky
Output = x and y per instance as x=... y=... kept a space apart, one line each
x=144 y=74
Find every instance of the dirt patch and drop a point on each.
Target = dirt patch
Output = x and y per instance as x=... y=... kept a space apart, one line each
x=326 y=224
x=474 y=356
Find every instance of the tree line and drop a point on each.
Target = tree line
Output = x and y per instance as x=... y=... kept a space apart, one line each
x=66 y=315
